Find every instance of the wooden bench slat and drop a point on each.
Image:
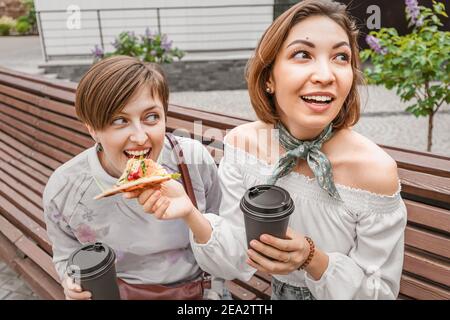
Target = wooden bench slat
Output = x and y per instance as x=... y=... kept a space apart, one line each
x=427 y=241
x=17 y=191
x=9 y=231
x=256 y=285
x=61 y=126
x=44 y=164
x=39 y=256
x=41 y=136
x=425 y=185
x=40 y=100
x=239 y=292
x=428 y=216
x=25 y=224
x=24 y=177
x=210 y=119
x=421 y=290
x=419 y=162
x=66 y=86
x=427 y=267
x=35 y=144
x=42 y=113
x=38 y=88
x=23 y=167
x=40 y=281
x=195 y=132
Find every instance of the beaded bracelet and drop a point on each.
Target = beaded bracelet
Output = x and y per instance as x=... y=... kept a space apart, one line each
x=311 y=253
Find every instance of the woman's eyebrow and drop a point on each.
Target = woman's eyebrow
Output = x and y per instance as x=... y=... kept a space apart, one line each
x=340 y=44
x=155 y=106
x=310 y=44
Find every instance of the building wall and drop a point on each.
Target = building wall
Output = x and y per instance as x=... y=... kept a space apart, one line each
x=190 y=28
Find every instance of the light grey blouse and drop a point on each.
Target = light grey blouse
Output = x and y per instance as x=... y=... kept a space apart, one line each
x=148 y=250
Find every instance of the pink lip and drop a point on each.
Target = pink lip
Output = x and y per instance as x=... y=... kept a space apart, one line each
x=317 y=107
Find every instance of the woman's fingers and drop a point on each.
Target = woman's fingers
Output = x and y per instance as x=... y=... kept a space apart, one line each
x=270 y=252
x=270 y=266
x=73 y=295
x=146 y=194
x=253 y=264
x=294 y=241
x=141 y=194
x=72 y=286
x=150 y=201
x=132 y=194
x=72 y=291
x=160 y=208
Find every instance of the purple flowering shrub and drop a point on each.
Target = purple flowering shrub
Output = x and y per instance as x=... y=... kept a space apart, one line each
x=150 y=47
x=416 y=64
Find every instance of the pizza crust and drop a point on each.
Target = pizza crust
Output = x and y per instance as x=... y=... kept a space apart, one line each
x=133 y=185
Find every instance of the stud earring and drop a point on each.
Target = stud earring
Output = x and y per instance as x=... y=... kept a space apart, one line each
x=99 y=147
x=268 y=90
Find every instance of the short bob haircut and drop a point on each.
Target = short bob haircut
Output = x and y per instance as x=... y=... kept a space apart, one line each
x=109 y=84
x=260 y=65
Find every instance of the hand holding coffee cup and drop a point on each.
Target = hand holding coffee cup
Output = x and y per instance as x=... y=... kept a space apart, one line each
x=273 y=247
x=91 y=269
x=72 y=291
x=278 y=256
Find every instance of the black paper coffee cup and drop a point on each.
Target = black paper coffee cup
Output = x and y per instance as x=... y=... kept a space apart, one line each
x=266 y=209
x=93 y=267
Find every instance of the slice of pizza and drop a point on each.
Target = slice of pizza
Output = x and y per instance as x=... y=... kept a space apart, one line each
x=139 y=173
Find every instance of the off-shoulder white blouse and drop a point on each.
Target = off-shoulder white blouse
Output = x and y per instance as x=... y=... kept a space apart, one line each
x=363 y=235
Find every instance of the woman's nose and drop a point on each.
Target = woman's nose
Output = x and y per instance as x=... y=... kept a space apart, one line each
x=323 y=73
x=139 y=136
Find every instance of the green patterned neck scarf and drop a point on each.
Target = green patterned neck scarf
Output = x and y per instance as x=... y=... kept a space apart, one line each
x=309 y=150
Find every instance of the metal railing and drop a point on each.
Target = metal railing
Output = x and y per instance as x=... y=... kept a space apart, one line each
x=193 y=29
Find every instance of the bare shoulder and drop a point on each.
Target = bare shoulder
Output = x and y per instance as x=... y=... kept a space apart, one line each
x=365 y=165
x=246 y=136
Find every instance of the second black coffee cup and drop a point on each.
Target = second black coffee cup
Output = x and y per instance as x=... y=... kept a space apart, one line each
x=93 y=267
x=266 y=209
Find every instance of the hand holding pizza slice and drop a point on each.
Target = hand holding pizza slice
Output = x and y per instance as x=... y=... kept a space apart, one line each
x=139 y=173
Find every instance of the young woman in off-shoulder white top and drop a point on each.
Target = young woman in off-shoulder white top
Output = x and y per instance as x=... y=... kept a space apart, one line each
x=346 y=235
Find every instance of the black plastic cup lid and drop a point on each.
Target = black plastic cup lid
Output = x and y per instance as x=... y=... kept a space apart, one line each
x=267 y=201
x=90 y=258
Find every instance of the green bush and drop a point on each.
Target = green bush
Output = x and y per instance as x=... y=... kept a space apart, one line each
x=29 y=17
x=150 y=47
x=6 y=24
x=23 y=27
x=416 y=64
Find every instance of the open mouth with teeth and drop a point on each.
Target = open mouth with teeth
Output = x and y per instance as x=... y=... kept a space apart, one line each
x=322 y=100
x=138 y=154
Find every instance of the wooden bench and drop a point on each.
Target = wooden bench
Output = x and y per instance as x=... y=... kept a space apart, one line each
x=39 y=131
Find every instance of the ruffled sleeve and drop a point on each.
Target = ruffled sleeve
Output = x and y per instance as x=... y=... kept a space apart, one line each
x=224 y=255
x=373 y=267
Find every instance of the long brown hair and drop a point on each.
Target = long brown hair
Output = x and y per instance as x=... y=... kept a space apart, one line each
x=260 y=65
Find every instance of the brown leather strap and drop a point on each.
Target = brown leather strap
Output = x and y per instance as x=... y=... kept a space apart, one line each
x=186 y=178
